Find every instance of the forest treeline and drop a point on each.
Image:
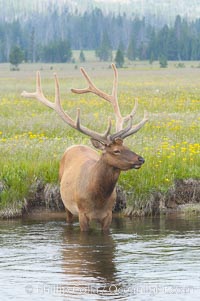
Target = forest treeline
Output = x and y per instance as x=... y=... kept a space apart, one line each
x=50 y=37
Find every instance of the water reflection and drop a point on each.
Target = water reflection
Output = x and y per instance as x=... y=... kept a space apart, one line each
x=90 y=255
x=88 y=261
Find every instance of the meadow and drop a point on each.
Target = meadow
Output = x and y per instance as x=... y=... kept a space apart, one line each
x=33 y=138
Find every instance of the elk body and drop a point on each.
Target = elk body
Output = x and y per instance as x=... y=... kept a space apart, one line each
x=87 y=179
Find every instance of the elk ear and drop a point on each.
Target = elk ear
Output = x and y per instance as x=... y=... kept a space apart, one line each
x=98 y=144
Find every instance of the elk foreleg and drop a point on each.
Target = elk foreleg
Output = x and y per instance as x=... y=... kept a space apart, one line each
x=105 y=223
x=83 y=221
x=69 y=216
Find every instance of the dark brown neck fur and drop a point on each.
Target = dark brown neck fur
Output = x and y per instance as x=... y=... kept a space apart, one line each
x=104 y=178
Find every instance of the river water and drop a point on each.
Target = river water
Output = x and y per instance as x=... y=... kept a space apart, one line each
x=140 y=259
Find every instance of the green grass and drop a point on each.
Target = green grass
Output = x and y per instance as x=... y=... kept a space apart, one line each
x=33 y=138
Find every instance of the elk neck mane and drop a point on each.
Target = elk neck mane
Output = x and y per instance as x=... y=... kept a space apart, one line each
x=104 y=177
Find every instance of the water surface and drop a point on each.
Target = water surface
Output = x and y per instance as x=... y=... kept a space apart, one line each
x=140 y=259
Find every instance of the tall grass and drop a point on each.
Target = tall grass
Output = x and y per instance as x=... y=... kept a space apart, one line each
x=33 y=138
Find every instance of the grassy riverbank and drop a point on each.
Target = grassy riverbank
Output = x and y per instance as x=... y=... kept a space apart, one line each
x=33 y=138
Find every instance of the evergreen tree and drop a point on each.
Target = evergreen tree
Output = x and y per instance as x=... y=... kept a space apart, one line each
x=121 y=46
x=131 y=51
x=57 y=52
x=82 y=56
x=152 y=47
x=162 y=42
x=16 y=57
x=32 y=46
x=3 y=57
x=195 y=54
x=142 y=51
x=178 y=34
x=163 y=61
x=151 y=59
x=185 y=41
x=104 y=52
x=119 y=58
x=172 y=46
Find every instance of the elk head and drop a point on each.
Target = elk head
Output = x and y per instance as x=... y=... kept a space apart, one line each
x=119 y=156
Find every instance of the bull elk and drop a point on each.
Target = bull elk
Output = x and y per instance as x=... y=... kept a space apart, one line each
x=87 y=179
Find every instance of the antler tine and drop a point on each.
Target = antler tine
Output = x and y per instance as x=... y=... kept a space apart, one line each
x=115 y=80
x=85 y=90
x=115 y=104
x=39 y=94
x=102 y=137
x=107 y=132
x=120 y=120
x=112 y=98
x=91 y=88
x=56 y=106
x=130 y=129
x=136 y=127
x=120 y=133
x=38 y=83
x=133 y=112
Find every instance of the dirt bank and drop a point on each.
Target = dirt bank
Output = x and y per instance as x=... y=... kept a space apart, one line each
x=43 y=196
x=182 y=192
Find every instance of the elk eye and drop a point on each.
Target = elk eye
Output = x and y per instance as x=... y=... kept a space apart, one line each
x=117 y=152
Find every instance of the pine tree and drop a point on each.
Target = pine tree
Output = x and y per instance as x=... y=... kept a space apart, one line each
x=131 y=51
x=82 y=56
x=172 y=46
x=163 y=61
x=152 y=47
x=162 y=41
x=178 y=34
x=57 y=52
x=16 y=57
x=104 y=52
x=32 y=46
x=119 y=58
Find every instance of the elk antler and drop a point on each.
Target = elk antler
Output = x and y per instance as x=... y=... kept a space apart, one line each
x=56 y=106
x=112 y=98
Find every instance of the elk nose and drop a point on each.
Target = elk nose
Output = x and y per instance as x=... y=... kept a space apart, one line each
x=141 y=160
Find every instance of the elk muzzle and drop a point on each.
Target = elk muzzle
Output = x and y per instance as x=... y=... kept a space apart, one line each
x=137 y=164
